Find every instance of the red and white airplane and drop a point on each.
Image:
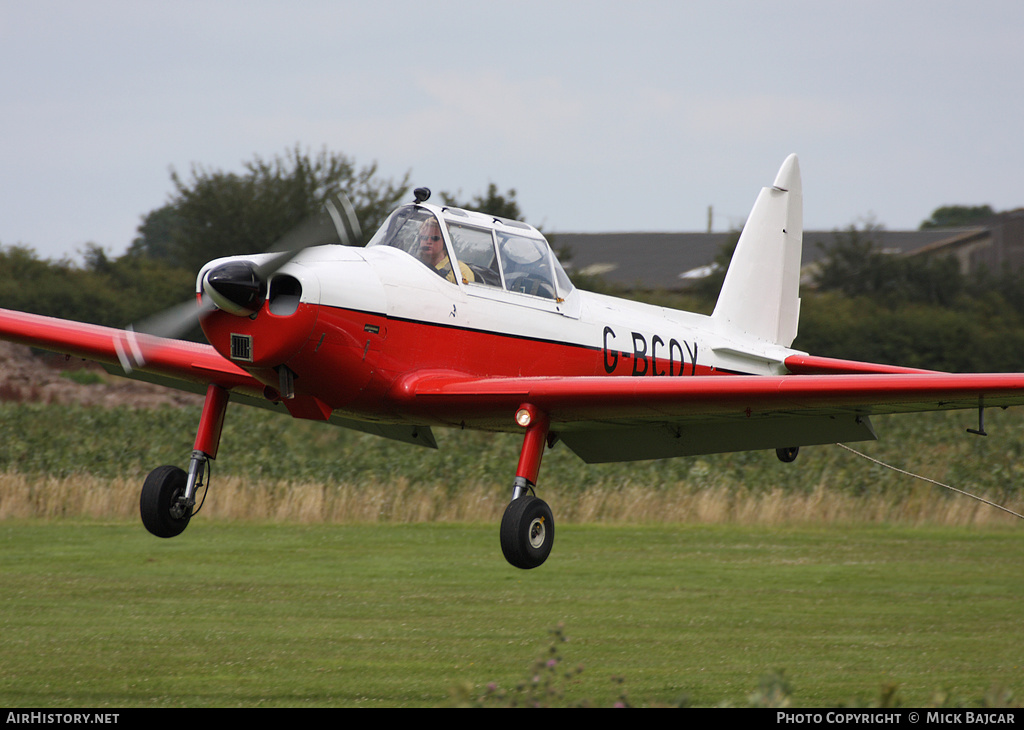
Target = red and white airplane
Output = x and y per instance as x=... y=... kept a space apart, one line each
x=451 y=318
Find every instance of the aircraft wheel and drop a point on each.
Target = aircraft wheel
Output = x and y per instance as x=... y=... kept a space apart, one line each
x=527 y=532
x=788 y=454
x=161 y=513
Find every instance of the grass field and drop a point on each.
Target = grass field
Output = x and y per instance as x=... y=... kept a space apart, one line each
x=333 y=569
x=102 y=615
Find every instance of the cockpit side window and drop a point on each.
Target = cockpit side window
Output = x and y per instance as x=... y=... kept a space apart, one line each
x=526 y=263
x=474 y=248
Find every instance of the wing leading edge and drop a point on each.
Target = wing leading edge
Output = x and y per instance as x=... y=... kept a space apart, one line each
x=121 y=352
x=178 y=364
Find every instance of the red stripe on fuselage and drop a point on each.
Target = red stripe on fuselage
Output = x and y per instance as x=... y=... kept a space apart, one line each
x=352 y=358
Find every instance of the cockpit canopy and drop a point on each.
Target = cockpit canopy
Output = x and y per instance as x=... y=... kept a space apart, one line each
x=476 y=249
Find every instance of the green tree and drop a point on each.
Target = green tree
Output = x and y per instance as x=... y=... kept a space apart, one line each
x=854 y=265
x=113 y=292
x=216 y=213
x=975 y=336
x=955 y=216
x=502 y=205
x=156 y=235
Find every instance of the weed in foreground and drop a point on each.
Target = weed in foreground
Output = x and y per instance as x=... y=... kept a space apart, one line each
x=547 y=680
x=545 y=684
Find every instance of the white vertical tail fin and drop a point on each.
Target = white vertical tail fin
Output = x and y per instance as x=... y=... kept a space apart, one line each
x=761 y=293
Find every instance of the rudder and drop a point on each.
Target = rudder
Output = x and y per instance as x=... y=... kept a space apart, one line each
x=760 y=296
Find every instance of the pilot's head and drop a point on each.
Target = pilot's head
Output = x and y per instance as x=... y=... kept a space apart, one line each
x=430 y=244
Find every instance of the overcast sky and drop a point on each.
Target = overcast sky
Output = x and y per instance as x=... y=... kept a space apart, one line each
x=603 y=116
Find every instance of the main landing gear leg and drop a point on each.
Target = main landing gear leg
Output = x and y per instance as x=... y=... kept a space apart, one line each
x=527 y=527
x=169 y=494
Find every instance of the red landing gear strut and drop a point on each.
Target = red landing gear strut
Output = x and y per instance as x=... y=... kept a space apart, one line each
x=527 y=527
x=169 y=494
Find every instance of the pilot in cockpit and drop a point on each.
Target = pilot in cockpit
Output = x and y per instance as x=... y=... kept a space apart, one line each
x=431 y=251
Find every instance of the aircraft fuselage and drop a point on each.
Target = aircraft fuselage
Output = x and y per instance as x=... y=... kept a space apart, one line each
x=368 y=316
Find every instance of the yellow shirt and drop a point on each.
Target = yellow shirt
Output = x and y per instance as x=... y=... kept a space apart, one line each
x=445 y=269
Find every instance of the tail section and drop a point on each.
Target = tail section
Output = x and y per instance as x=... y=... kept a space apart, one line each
x=761 y=293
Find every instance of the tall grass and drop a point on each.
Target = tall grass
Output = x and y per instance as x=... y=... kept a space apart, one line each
x=234 y=498
x=89 y=462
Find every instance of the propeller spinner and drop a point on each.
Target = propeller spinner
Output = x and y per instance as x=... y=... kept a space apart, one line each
x=236 y=287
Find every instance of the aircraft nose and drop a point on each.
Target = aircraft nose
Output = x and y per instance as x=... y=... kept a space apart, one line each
x=236 y=288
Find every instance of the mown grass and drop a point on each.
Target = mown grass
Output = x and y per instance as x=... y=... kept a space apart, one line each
x=102 y=615
x=332 y=569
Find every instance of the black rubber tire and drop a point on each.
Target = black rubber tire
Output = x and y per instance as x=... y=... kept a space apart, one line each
x=787 y=455
x=527 y=532
x=159 y=493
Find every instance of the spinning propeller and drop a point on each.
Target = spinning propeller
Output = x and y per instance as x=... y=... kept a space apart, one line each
x=239 y=287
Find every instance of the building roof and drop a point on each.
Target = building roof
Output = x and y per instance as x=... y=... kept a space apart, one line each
x=674 y=260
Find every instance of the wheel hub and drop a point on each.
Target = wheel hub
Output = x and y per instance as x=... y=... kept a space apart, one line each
x=537 y=532
x=179 y=508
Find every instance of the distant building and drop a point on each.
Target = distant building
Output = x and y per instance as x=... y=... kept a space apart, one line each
x=996 y=244
x=674 y=261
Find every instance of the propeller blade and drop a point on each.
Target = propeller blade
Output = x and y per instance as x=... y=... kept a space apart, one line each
x=336 y=223
x=172 y=323
x=176 y=321
x=343 y=214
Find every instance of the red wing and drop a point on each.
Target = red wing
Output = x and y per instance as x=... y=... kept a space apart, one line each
x=174 y=363
x=624 y=418
x=187 y=362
